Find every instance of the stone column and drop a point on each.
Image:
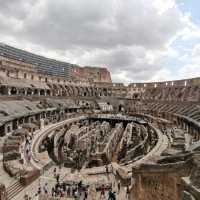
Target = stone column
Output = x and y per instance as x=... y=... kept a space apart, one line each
x=9 y=91
x=17 y=91
x=25 y=92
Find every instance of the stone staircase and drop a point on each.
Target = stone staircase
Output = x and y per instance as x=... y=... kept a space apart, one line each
x=14 y=189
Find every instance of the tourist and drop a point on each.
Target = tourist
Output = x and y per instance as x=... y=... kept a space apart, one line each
x=75 y=193
x=29 y=157
x=45 y=188
x=27 y=141
x=27 y=150
x=76 y=196
x=53 y=192
x=39 y=190
x=111 y=195
x=119 y=186
x=64 y=187
x=58 y=178
x=114 y=196
x=85 y=194
x=26 y=197
x=60 y=167
x=102 y=191
x=69 y=191
x=127 y=192
x=54 y=172
x=107 y=170
x=80 y=187
x=61 y=192
x=73 y=190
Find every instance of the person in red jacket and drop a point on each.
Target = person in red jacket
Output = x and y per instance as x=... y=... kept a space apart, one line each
x=102 y=191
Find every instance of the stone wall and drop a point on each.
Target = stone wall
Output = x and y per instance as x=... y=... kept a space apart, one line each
x=157 y=182
x=92 y=74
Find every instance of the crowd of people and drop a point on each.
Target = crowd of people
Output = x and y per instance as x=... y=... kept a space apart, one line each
x=63 y=189
x=78 y=190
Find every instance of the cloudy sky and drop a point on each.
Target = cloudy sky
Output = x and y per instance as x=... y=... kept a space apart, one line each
x=137 y=40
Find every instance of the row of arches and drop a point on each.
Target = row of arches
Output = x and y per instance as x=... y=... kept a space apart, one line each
x=56 y=90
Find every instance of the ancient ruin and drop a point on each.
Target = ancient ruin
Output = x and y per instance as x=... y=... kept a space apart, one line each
x=61 y=133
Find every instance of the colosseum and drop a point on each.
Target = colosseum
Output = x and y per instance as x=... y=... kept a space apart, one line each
x=68 y=132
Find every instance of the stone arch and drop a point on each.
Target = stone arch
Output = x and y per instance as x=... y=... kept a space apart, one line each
x=105 y=91
x=71 y=90
x=35 y=92
x=87 y=91
x=42 y=92
x=3 y=90
x=67 y=90
x=22 y=91
x=100 y=93
x=81 y=91
x=48 y=92
x=85 y=94
x=62 y=90
x=90 y=91
x=29 y=91
x=55 y=89
x=77 y=91
x=109 y=92
x=13 y=91
x=95 y=92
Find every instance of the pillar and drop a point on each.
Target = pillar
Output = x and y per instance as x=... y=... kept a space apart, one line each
x=9 y=91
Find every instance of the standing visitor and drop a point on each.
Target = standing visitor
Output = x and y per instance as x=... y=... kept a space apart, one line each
x=58 y=178
x=102 y=191
x=127 y=192
x=53 y=192
x=107 y=170
x=119 y=186
x=54 y=172
x=45 y=188
x=85 y=194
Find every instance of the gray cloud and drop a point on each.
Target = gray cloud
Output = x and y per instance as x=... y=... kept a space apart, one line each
x=114 y=33
x=131 y=61
x=104 y=24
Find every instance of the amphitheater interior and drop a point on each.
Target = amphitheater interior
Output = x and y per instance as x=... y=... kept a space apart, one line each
x=60 y=138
